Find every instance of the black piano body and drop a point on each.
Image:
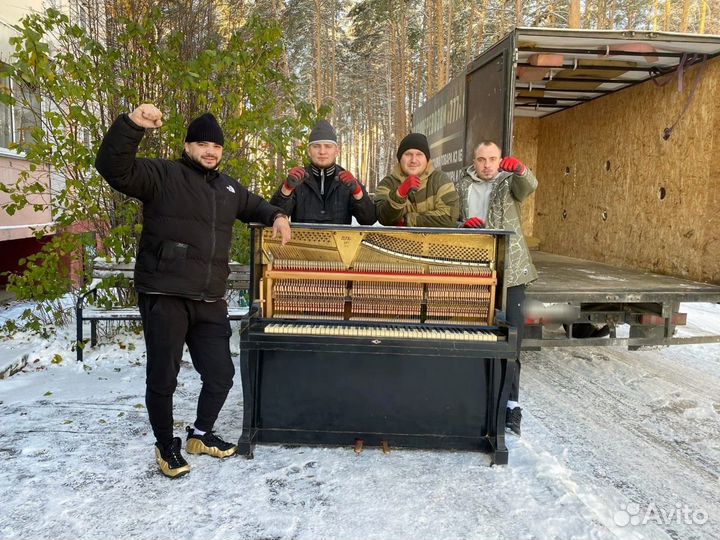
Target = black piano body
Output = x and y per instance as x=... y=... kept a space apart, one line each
x=350 y=346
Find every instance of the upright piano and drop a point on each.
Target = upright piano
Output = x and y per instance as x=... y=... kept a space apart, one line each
x=379 y=336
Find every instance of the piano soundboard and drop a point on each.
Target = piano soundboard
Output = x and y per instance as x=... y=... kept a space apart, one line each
x=373 y=274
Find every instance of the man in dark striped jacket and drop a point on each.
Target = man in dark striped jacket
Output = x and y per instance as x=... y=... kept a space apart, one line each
x=415 y=194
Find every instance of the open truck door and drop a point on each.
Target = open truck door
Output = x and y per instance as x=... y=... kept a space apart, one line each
x=489 y=87
x=469 y=109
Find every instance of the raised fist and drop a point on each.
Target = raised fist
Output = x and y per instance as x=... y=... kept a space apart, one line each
x=146 y=116
x=296 y=176
x=411 y=184
x=513 y=165
x=474 y=223
x=349 y=181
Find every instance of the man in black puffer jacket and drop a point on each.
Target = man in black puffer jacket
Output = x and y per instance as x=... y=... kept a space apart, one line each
x=181 y=268
x=324 y=192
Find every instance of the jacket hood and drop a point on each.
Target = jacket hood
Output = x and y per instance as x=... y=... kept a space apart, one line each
x=470 y=171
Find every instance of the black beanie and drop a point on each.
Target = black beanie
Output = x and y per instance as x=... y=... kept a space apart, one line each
x=323 y=132
x=205 y=129
x=414 y=141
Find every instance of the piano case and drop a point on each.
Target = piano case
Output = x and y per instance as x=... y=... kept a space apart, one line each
x=381 y=335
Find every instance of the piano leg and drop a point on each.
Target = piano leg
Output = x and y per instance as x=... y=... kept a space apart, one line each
x=249 y=370
x=501 y=376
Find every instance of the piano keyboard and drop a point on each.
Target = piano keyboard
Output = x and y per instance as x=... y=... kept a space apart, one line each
x=456 y=334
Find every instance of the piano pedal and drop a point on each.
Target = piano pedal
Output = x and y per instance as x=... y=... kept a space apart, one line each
x=385 y=447
x=358 y=446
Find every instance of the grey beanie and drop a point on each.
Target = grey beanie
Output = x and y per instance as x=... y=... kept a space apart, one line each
x=323 y=132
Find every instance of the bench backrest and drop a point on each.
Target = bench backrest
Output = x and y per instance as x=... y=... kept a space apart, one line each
x=239 y=277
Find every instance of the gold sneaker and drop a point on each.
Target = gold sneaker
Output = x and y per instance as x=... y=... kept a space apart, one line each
x=170 y=460
x=209 y=444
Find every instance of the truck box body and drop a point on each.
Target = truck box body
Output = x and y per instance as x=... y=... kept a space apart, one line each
x=621 y=131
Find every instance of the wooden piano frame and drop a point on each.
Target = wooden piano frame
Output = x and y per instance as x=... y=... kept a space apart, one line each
x=379 y=389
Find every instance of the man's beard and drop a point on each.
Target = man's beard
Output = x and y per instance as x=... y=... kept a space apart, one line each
x=199 y=162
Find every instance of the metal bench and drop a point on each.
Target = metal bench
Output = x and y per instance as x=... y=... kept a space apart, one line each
x=104 y=269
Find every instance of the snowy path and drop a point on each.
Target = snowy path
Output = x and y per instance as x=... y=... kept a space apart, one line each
x=644 y=424
x=608 y=435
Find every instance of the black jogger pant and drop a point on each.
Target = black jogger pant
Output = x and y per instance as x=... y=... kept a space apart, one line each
x=169 y=322
x=515 y=299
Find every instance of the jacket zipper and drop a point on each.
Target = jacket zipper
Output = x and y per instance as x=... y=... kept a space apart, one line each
x=212 y=239
x=322 y=182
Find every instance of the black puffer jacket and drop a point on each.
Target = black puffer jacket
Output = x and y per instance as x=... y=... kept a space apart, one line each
x=188 y=215
x=337 y=205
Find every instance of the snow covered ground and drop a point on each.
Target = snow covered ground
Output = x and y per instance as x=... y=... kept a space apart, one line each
x=616 y=444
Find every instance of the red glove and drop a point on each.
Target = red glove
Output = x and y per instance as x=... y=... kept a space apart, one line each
x=349 y=181
x=474 y=223
x=411 y=184
x=296 y=176
x=513 y=165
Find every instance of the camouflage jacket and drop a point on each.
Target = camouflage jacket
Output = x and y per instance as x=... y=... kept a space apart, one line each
x=504 y=212
x=435 y=204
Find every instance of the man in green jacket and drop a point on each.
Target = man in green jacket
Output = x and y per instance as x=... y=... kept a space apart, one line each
x=415 y=194
x=491 y=191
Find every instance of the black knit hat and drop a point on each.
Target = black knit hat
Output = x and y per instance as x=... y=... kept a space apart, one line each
x=205 y=129
x=323 y=132
x=414 y=141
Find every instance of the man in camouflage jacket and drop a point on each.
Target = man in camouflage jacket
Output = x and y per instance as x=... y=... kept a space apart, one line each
x=504 y=188
x=491 y=191
x=415 y=194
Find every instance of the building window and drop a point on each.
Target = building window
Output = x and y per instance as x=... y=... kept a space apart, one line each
x=18 y=121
